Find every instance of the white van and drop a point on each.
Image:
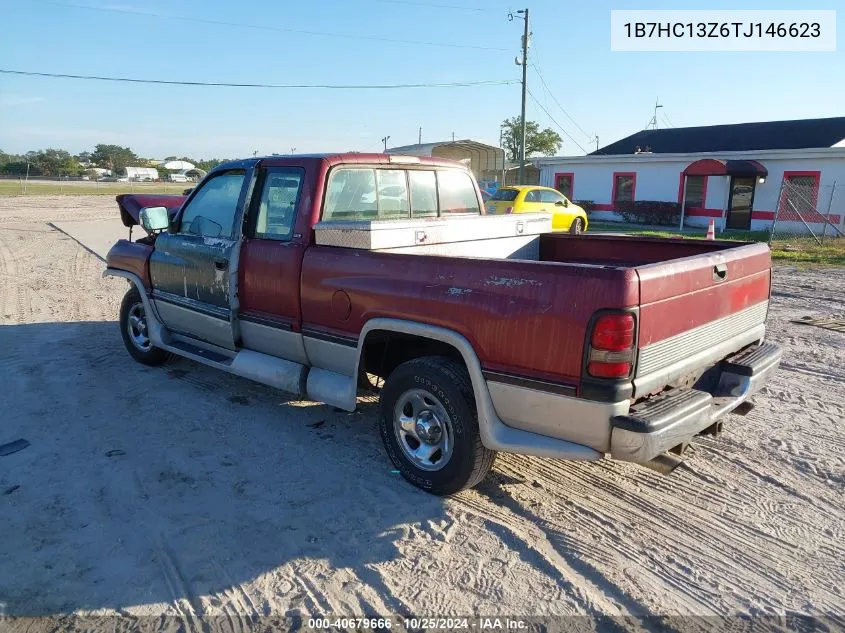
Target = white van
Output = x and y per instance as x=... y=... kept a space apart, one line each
x=178 y=178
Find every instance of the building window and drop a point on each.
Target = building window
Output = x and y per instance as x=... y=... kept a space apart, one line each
x=696 y=191
x=565 y=183
x=624 y=186
x=800 y=192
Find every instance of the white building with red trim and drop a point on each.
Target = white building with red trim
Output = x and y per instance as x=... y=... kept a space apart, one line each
x=734 y=174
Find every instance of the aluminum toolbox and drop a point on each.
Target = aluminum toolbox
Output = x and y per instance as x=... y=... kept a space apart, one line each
x=391 y=234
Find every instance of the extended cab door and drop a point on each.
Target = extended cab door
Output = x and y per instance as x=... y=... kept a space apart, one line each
x=190 y=266
x=271 y=264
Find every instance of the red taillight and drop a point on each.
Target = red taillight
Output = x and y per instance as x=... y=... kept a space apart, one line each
x=609 y=370
x=508 y=209
x=613 y=332
x=612 y=346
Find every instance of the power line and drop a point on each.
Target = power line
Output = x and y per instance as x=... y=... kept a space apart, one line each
x=433 y=5
x=666 y=120
x=551 y=94
x=560 y=127
x=264 y=27
x=456 y=84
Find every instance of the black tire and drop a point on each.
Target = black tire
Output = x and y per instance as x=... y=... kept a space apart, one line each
x=577 y=226
x=152 y=356
x=470 y=461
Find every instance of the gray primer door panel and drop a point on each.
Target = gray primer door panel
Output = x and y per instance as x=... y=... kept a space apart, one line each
x=191 y=268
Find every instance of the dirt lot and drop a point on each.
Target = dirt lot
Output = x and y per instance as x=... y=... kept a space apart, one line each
x=184 y=491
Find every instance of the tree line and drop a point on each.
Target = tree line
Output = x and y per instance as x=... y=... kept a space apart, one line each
x=59 y=162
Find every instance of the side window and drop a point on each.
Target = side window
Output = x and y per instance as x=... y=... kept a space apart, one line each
x=623 y=187
x=392 y=194
x=351 y=195
x=423 y=194
x=532 y=196
x=550 y=196
x=457 y=192
x=277 y=208
x=211 y=213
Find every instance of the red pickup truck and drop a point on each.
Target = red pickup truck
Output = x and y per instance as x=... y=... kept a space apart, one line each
x=315 y=273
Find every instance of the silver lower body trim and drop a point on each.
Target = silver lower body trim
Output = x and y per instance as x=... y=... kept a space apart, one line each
x=335 y=357
x=572 y=419
x=274 y=341
x=203 y=326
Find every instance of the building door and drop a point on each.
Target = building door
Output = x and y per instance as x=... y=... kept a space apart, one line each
x=740 y=203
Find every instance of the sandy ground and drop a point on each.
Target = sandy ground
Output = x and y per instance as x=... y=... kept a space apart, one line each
x=185 y=491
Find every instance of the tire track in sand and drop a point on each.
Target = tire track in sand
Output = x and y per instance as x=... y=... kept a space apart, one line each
x=12 y=295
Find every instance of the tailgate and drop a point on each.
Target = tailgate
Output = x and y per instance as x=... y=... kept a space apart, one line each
x=696 y=310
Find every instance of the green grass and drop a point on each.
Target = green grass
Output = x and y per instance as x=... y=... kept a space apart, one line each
x=798 y=250
x=79 y=188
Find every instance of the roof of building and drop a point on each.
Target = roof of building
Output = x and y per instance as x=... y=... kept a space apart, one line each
x=141 y=171
x=798 y=134
x=425 y=149
x=482 y=157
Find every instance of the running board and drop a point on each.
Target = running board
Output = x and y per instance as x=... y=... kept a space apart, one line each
x=317 y=384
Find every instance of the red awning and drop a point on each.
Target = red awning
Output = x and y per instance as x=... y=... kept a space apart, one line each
x=716 y=167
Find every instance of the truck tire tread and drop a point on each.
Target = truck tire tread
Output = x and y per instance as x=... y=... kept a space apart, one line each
x=455 y=376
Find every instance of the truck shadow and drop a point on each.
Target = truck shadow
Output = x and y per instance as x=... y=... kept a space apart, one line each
x=175 y=485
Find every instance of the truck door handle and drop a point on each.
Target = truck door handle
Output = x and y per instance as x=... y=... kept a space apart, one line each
x=221 y=264
x=720 y=272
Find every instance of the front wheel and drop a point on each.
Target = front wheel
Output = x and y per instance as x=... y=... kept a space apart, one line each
x=577 y=226
x=133 y=329
x=429 y=426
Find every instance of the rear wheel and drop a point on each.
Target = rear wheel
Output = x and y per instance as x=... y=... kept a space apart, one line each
x=577 y=226
x=133 y=329
x=429 y=426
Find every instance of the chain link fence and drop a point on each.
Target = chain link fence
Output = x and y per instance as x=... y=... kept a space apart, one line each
x=808 y=217
x=50 y=185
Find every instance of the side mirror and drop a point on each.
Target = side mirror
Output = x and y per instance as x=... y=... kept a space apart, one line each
x=561 y=203
x=154 y=218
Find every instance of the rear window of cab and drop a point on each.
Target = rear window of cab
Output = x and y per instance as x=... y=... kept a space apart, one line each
x=366 y=193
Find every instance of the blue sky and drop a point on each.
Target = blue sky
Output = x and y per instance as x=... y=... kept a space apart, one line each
x=608 y=94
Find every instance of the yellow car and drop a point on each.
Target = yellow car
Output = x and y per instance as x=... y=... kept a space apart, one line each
x=566 y=216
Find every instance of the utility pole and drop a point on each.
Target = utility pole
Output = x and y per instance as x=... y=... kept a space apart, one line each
x=293 y=150
x=384 y=140
x=523 y=13
x=597 y=142
x=654 y=118
x=419 y=140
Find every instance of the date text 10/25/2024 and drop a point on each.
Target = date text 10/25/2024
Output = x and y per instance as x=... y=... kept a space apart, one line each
x=412 y=624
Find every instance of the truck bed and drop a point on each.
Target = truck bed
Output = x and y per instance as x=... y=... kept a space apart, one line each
x=622 y=250
x=525 y=302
